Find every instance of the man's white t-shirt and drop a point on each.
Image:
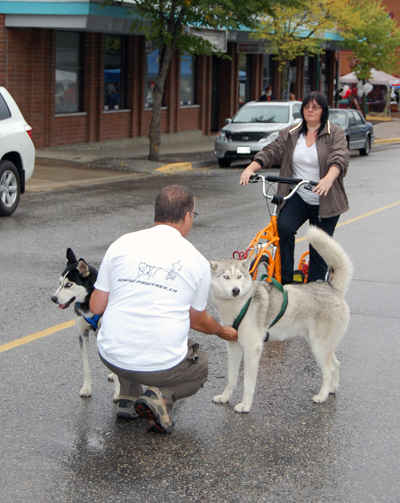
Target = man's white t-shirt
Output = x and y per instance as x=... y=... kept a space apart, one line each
x=306 y=166
x=153 y=276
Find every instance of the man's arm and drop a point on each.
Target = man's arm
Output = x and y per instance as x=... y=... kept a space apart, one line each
x=98 y=301
x=203 y=322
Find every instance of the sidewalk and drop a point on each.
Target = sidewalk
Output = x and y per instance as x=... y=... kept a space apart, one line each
x=86 y=164
x=78 y=165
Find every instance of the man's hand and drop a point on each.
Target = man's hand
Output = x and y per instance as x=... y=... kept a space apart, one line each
x=228 y=333
x=203 y=322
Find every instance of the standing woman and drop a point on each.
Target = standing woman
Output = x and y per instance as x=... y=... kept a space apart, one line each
x=313 y=150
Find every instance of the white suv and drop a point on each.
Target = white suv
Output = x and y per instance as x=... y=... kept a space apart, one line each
x=255 y=125
x=17 y=153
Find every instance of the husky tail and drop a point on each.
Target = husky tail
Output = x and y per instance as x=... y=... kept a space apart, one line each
x=339 y=263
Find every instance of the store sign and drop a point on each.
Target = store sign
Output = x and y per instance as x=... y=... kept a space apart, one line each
x=252 y=48
x=218 y=38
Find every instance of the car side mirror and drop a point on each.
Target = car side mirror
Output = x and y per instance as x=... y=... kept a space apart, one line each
x=228 y=121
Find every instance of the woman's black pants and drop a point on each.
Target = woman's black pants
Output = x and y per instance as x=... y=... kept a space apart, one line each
x=291 y=217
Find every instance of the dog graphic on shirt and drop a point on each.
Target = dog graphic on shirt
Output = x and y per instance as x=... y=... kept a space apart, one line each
x=150 y=271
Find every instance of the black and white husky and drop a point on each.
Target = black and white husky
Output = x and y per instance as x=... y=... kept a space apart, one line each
x=316 y=311
x=76 y=286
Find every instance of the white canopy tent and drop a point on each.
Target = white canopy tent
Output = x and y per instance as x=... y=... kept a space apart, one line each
x=377 y=78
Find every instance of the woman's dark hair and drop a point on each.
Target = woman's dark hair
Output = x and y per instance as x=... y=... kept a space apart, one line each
x=172 y=204
x=322 y=102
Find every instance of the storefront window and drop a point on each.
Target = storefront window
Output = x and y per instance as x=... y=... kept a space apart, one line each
x=67 y=92
x=244 y=78
x=151 y=74
x=114 y=73
x=187 y=80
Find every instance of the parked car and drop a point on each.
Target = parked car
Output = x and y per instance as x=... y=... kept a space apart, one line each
x=255 y=125
x=17 y=153
x=359 y=133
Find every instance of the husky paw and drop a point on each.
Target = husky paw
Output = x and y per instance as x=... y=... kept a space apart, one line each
x=319 y=399
x=220 y=399
x=241 y=408
x=85 y=392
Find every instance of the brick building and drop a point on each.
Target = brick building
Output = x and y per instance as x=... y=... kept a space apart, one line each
x=80 y=75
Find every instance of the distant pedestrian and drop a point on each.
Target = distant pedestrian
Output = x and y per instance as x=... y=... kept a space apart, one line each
x=267 y=95
x=292 y=97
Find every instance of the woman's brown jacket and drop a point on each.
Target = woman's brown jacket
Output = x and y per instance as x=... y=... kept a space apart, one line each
x=332 y=151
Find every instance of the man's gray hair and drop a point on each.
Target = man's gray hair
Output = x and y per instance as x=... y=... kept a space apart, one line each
x=172 y=204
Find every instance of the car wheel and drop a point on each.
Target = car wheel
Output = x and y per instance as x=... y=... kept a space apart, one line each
x=366 y=150
x=10 y=188
x=224 y=163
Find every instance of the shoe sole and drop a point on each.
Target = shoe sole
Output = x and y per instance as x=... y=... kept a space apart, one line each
x=146 y=412
x=127 y=415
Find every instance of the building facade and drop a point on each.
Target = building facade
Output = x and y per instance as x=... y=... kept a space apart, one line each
x=80 y=75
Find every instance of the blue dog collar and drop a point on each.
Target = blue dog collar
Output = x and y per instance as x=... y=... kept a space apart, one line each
x=94 y=321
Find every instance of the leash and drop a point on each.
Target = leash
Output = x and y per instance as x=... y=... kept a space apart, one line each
x=94 y=321
x=285 y=301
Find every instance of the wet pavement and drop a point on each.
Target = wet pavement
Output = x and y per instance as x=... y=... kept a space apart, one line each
x=57 y=447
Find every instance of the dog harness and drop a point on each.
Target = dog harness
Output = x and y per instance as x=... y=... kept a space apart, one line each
x=94 y=321
x=285 y=300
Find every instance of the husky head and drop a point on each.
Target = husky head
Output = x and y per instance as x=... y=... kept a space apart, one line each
x=230 y=278
x=76 y=282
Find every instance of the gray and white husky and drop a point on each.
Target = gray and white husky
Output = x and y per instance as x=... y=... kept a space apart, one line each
x=76 y=286
x=316 y=311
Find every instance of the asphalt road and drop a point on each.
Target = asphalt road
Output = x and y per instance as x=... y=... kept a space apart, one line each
x=57 y=447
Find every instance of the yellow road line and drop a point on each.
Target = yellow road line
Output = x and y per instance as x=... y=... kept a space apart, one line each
x=57 y=328
x=351 y=220
x=37 y=335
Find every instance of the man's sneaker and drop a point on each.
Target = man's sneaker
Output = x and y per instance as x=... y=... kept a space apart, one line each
x=126 y=409
x=151 y=406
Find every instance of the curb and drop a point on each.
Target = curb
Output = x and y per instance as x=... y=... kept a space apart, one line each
x=388 y=140
x=175 y=167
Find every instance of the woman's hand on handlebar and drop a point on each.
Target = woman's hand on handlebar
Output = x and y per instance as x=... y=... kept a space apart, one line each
x=248 y=172
x=325 y=183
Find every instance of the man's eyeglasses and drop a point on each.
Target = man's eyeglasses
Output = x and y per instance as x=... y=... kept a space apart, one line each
x=312 y=107
x=194 y=213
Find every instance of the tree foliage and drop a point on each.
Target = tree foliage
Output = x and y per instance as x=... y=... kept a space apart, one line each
x=164 y=23
x=293 y=30
x=371 y=35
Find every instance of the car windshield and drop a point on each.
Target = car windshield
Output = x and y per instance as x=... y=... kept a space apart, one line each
x=263 y=113
x=338 y=117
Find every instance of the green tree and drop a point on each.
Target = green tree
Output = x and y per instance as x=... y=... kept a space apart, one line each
x=372 y=35
x=164 y=23
x=296 y=29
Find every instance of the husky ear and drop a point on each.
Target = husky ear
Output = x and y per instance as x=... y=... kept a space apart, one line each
x=214 y=265
x=83 y=268
x=247 y=262
x=71 y=259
